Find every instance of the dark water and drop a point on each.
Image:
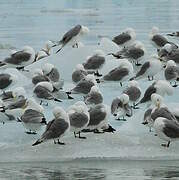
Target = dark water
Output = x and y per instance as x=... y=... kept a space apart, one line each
x=92 y=170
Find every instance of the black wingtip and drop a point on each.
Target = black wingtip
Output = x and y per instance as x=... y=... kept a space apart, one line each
x=170 y=34
x=70 y=97
x=58 y=100
x=37 y=142
x=110 y=129
x=59 y=50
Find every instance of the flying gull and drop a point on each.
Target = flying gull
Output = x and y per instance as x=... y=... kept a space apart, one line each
x=56 y=128
x=72 y=36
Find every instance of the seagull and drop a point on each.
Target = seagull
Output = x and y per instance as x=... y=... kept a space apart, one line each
x=32 y=118
x=149 y=69
x=38 y=76
x=134 y=53
x=172 y=72
x=175 y=34
x=95 y=62
x=6 y=80
x=56 y=128
x=166 y=130
x=72 y=36
x=157 y=39
x=134 y=92
x=121 y=73
x=19 y=59
x=147 y=119
x=120 y=107
x=99 y=119
x=79 y=118
x=125 y=38
x=94 y=97
x=79 y=73
x=84 y=86
x=44 y=90
x=44 y=52
x=160 y=87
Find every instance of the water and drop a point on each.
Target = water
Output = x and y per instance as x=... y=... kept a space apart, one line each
x=92 y=170
x=33 y=22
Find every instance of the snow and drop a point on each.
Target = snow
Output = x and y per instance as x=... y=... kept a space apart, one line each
x=131 y=141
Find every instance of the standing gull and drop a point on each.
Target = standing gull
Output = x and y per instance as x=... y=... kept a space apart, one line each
x=134 y=92
x=166 y=130
x=160 y=87
x=6 y=80
x=19 y=59
x=84 y=86
x=94 y=97
x=172 y=72
x=149 y=69
x=72 y=36
x=44 y=90
x=33 y=118
x=125 y=38
x=147 y=119
x=121 y=73
x=79 y=118
x=56 y=128
x=120 y=107
x=79 y=73
x=95 y=62
x=38 y=76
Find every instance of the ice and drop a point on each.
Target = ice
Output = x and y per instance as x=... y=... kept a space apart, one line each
x=132 y=140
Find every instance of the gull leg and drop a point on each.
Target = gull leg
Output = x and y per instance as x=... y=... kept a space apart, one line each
x=61 y=143
x=81 y=137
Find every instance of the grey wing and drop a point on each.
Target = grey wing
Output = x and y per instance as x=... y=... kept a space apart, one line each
x=171 y=129
x=133 y=93
x=78 y=119
x=96 y=115
x=94 y=62
x=163 y=112
x=32 y=116
x=95 y=98
x=70 y=34
x=148 y=93
x=39 y=78
x=6 y=95
x=116 y=74
x=83 y=87
x=134 y=53
x=54 y=75
x=147 y=113
x=18 y=57
x=42 y=92
x=55 y=129
x=5 y=80
x=18 y=104
x=159 y=40
x=121 y=39
x=78 y=75
x=171 y=73
x=143 y=69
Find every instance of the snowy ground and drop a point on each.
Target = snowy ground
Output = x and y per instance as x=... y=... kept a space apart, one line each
x=131 y=141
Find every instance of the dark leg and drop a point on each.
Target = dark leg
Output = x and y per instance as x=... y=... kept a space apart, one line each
x=61 y=143
x=97 y=74
x=81 y=137
x=175 y=84
x=149 y=78
x=138 y=64
x=121 y=84
x=75 y=135
x=135 y=106
x=166 y=145
x=54 y=141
